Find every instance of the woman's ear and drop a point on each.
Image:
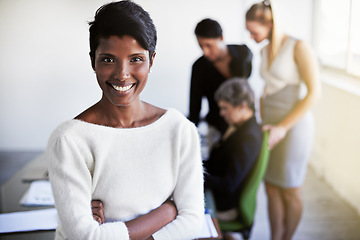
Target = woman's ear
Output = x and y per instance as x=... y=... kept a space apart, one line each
x=92 y=62
x=152 y=60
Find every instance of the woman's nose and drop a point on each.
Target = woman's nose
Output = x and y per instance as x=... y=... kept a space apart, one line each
x=122 y=73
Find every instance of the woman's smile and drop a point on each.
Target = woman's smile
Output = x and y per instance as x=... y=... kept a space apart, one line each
x=122 y=88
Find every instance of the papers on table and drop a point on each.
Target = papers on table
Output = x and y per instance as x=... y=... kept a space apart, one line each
x=208 y=229
x=28 y=221
x=39 y=194
x=46 y=219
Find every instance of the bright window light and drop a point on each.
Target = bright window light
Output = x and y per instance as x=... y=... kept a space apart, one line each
x=338 y=34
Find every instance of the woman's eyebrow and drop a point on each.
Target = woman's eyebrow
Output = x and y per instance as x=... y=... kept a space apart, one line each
x=136 y=54
x=107 y=54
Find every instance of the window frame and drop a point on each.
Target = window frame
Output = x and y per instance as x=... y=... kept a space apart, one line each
x=350 y=66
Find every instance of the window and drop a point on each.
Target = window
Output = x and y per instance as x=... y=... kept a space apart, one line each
x=337 y=34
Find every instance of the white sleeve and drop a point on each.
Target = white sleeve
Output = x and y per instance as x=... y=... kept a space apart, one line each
x=189 y=193
x=71 y=181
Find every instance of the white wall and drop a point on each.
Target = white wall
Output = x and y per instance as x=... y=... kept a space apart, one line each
x=45 y=73
x=46 y=77
x=336 y=147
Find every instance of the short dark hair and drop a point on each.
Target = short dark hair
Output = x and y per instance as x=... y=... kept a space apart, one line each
x=119 y=19
x=208 y=28
x=236 y=91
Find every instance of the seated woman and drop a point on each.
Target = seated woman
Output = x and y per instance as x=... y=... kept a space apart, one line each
x=233 y=157
x=128 y=154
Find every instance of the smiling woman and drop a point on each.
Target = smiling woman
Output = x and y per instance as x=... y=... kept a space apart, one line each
x=111 y=151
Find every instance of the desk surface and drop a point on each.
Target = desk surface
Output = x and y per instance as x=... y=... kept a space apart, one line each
x=12 y=191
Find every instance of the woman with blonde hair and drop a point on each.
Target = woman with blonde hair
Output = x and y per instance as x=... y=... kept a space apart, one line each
x=286 y=64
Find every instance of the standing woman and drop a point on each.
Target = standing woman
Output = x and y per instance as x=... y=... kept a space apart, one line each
x=286 y=63
x=141 y=161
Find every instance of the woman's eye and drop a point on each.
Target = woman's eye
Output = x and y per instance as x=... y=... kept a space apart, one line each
x=137 y=59
x=108 y=60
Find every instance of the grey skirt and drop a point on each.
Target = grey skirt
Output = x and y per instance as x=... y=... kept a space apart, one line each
x=288 y=159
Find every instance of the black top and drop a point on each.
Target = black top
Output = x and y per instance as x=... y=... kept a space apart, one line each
x=206 y=79
x=230 y=162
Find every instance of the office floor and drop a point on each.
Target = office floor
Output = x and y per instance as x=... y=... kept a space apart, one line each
x=326 y=215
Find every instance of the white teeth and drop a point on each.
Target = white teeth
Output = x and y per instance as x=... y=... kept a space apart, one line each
x=121 y=89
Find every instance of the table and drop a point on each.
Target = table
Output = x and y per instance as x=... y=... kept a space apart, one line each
x=12 y=191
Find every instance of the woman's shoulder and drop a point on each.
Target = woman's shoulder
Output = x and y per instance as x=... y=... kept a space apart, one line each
x=80 y=125
x=301 y=45
x=175 y=121
x=239 y=50
x=71 y=125
x=238 y=47
x=296 y=43
x=65 y=130
x=175 y=113
x=177 y=117
x=249 y=130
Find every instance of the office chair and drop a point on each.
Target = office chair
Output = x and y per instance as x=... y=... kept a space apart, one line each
x=247 y=200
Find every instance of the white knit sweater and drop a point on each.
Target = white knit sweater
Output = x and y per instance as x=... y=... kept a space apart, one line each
x=131 y=170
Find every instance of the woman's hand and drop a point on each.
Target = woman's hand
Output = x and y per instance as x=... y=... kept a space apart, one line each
x=98 y=211
x=276 y=134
